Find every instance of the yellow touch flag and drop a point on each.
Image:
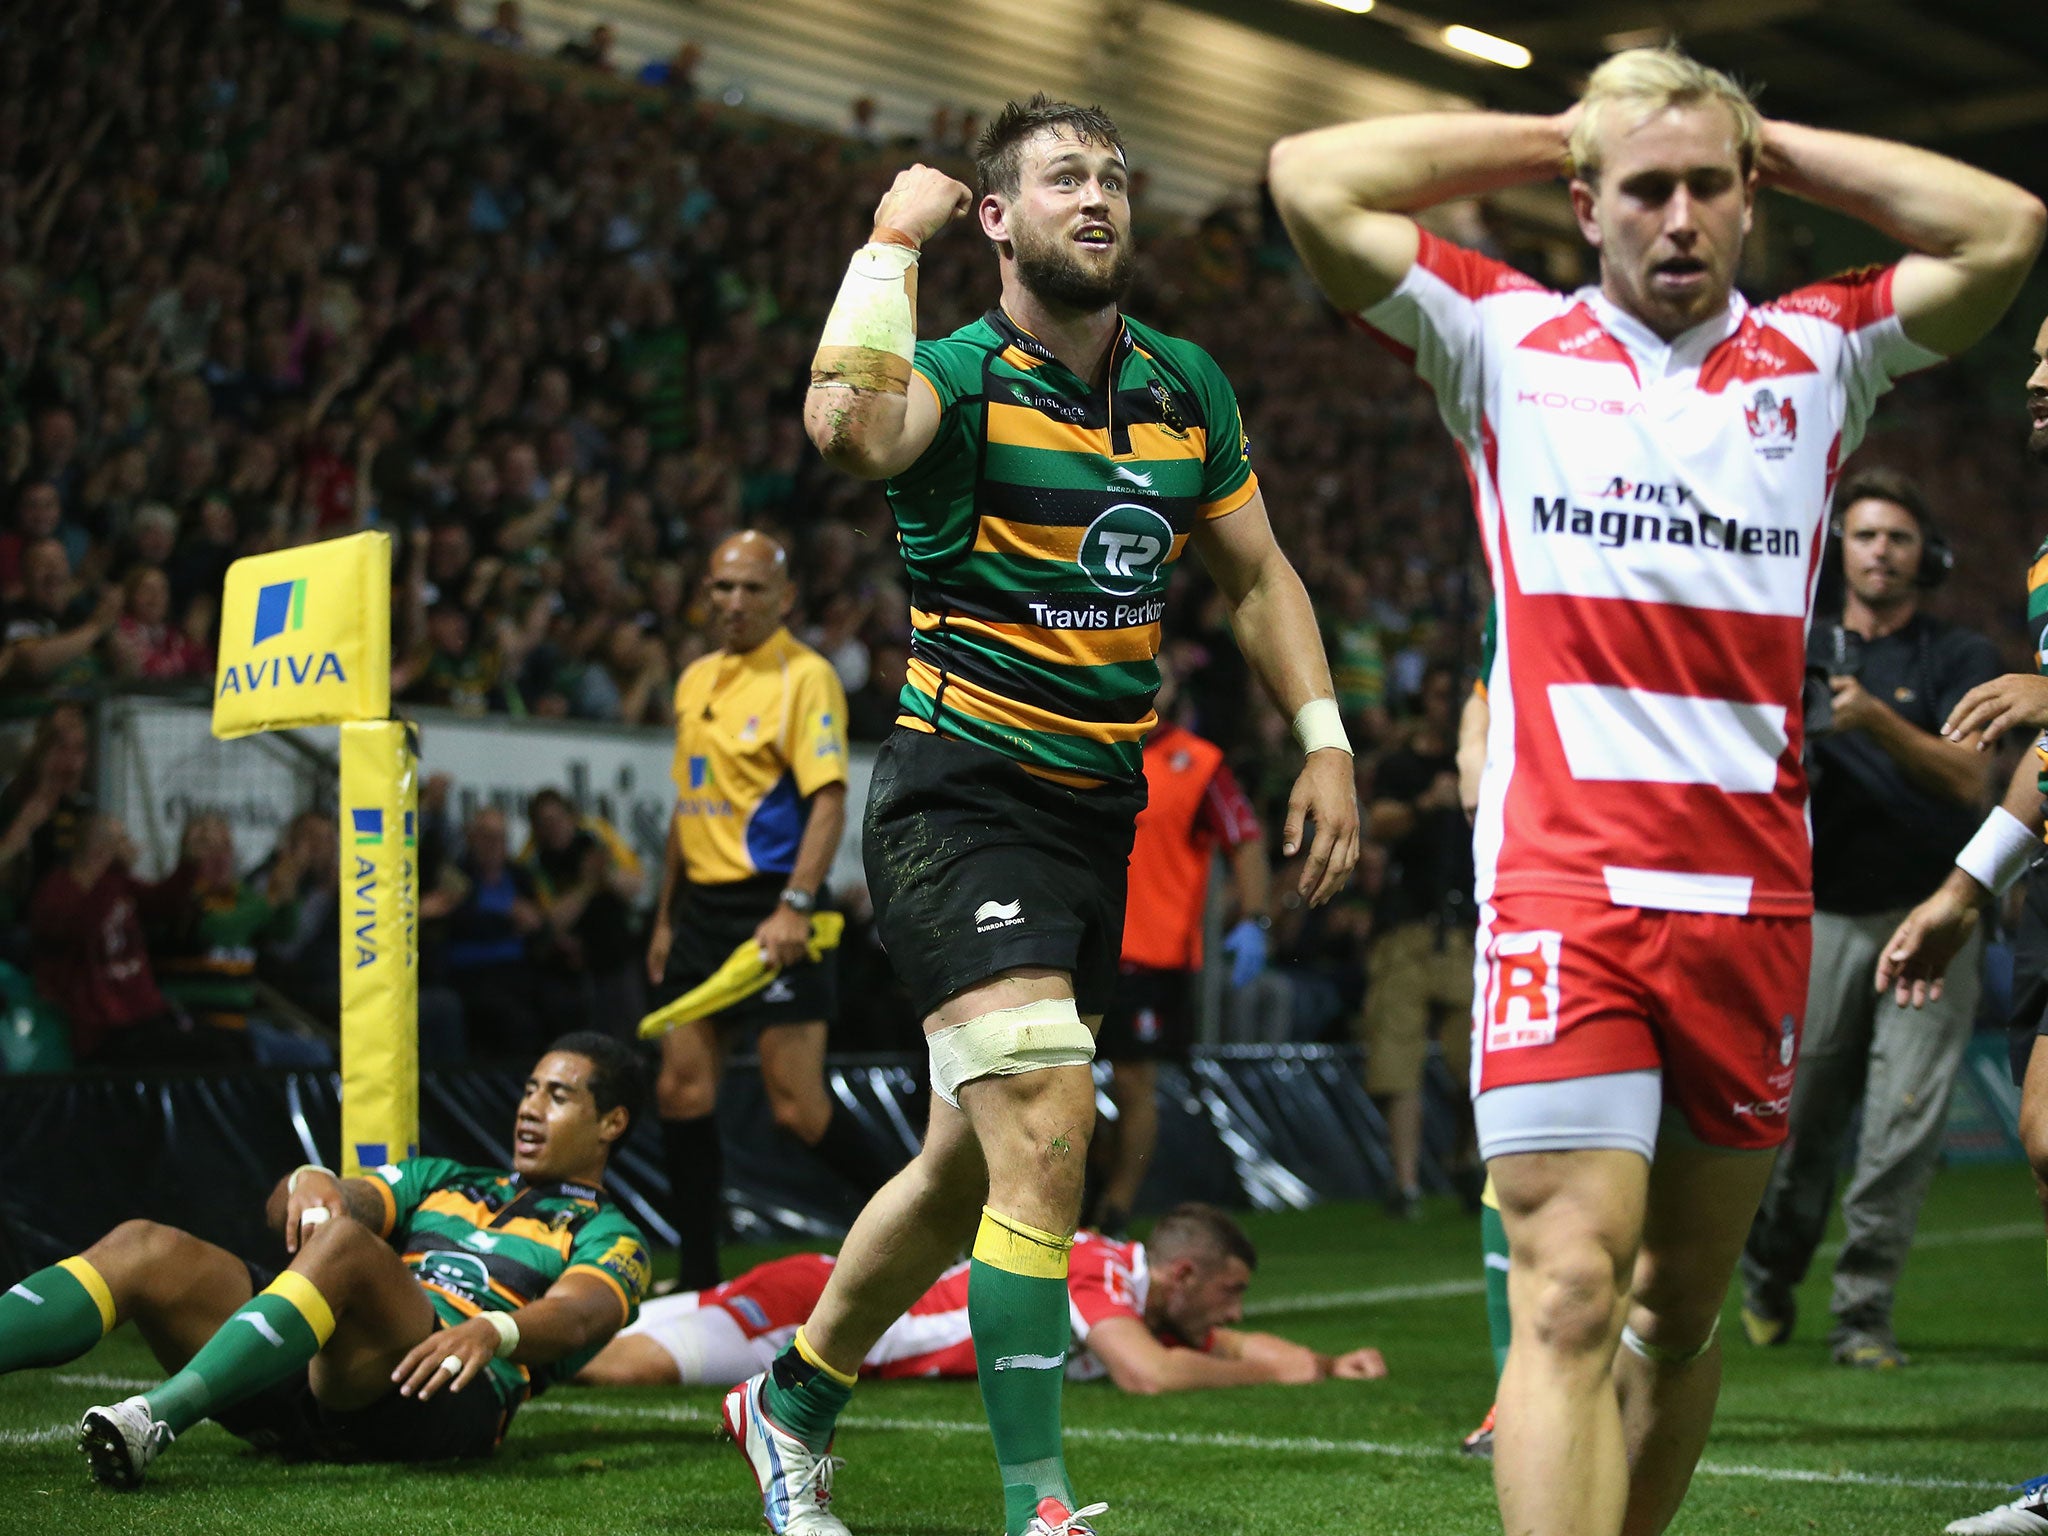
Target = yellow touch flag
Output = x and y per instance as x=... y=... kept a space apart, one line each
x=305 y=637
x=380 y=973
x=743 y=974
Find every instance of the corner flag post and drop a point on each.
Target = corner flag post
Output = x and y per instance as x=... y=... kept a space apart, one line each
x=306 y=640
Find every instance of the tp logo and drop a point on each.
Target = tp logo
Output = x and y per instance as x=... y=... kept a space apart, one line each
x=1124 y=547
x=280 y=606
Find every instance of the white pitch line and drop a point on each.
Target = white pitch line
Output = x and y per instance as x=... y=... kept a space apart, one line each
x=1324 y=1301
x=113 y=1383
x=1440 y=1290
x=39 y=1436
x=1310 y=1445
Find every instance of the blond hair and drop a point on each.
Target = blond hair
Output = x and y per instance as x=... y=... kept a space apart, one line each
x=1647 y=81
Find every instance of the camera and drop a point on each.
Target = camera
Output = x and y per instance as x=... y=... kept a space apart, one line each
x=1832 y=650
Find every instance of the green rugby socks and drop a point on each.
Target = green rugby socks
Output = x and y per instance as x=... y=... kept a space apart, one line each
x=276 y=1332
x=1493 y=1237
x=804 y=1395
x=55 y=1315
x=1017 y=1310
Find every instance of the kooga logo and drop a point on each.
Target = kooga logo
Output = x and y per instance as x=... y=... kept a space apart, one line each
x=280 y=610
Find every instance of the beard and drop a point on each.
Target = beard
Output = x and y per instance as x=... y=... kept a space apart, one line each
x=1051 y=270
x=2037 y=443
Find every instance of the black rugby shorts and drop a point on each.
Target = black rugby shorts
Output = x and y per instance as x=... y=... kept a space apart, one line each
x=977 y=867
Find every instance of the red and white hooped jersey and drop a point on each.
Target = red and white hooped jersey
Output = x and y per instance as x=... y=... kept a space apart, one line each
x=1105 y=1279
x=1653 y=516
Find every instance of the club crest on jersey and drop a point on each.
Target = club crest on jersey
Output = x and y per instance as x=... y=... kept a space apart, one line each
x=1169 y=409
x=1773 y=424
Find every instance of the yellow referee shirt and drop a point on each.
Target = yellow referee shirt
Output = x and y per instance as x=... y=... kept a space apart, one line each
x=756 y=736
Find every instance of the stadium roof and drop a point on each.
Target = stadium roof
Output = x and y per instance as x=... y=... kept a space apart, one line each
x=1969 y=77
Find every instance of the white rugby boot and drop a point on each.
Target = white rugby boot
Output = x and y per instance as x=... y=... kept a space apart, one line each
x=795 y=1481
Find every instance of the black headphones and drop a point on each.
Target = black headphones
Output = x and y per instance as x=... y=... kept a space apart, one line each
x=1937 y=557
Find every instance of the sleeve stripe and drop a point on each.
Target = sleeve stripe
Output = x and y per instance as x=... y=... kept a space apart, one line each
x=1230 y=501
x=390 y=1205
x=1468 y=272
x=625 y=1301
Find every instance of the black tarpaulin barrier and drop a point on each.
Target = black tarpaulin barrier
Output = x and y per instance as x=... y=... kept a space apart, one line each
x=1271 y=1127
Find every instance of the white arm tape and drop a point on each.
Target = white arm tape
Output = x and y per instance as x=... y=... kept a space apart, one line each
x=2000 y=851
x=1319 y=724
x=1028 y=1038
x=508 y=1333
x=872 y=312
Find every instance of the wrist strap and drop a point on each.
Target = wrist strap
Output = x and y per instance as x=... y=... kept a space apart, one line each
x=1999 y=853
x=1319 y=724
x=291 y=1185
x=885 y=234
x=508 y=1333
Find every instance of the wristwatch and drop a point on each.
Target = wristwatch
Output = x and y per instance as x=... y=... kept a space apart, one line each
x=799 y=901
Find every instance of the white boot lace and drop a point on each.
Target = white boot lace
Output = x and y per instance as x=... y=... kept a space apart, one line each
x=818 y=1481
x=1072 y=1526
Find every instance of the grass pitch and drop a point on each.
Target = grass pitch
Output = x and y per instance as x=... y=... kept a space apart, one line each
x=1800 y=1445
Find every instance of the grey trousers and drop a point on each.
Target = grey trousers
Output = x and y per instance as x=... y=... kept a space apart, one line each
x=1900 y=1064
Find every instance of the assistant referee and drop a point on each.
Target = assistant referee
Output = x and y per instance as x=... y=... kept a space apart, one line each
x=760 y=773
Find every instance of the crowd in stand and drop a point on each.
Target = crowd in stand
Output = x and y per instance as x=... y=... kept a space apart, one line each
x=260 y=285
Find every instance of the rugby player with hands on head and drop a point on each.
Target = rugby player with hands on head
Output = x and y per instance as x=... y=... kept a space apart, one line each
x=1651 y=459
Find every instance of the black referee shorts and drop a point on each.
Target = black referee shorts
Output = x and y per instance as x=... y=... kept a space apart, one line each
x=977 y=867
x=710 y=922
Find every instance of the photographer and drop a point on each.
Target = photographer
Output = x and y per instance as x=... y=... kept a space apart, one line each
x=1893 y=803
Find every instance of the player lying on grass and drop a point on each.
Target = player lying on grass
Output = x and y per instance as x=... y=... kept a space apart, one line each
x=421 y=1308
x=1152 y=1317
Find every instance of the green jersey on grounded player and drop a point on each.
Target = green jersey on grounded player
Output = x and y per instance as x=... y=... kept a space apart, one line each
x=420 y=1309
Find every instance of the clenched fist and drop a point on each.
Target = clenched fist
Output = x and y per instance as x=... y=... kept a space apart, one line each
x=921 y=202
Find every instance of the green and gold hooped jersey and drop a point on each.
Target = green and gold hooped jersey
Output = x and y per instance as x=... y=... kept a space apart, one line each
x=481 y=1239
x=1039 y=530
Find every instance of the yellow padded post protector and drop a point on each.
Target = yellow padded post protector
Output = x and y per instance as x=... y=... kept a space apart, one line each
x=305 y=637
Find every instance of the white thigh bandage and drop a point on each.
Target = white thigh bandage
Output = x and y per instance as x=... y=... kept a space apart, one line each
x=1028 y=1038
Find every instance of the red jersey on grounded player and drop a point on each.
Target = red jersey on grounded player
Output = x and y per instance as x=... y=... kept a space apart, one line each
x=1105 y=1279
x=1192 y=803
x=1653 y=516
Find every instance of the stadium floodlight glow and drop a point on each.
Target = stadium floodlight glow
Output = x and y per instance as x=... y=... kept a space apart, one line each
x=1484 y=45
x=1355 y=7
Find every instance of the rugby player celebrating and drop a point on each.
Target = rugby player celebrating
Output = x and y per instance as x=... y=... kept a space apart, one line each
x=1651 y=461
x=1046 y=465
